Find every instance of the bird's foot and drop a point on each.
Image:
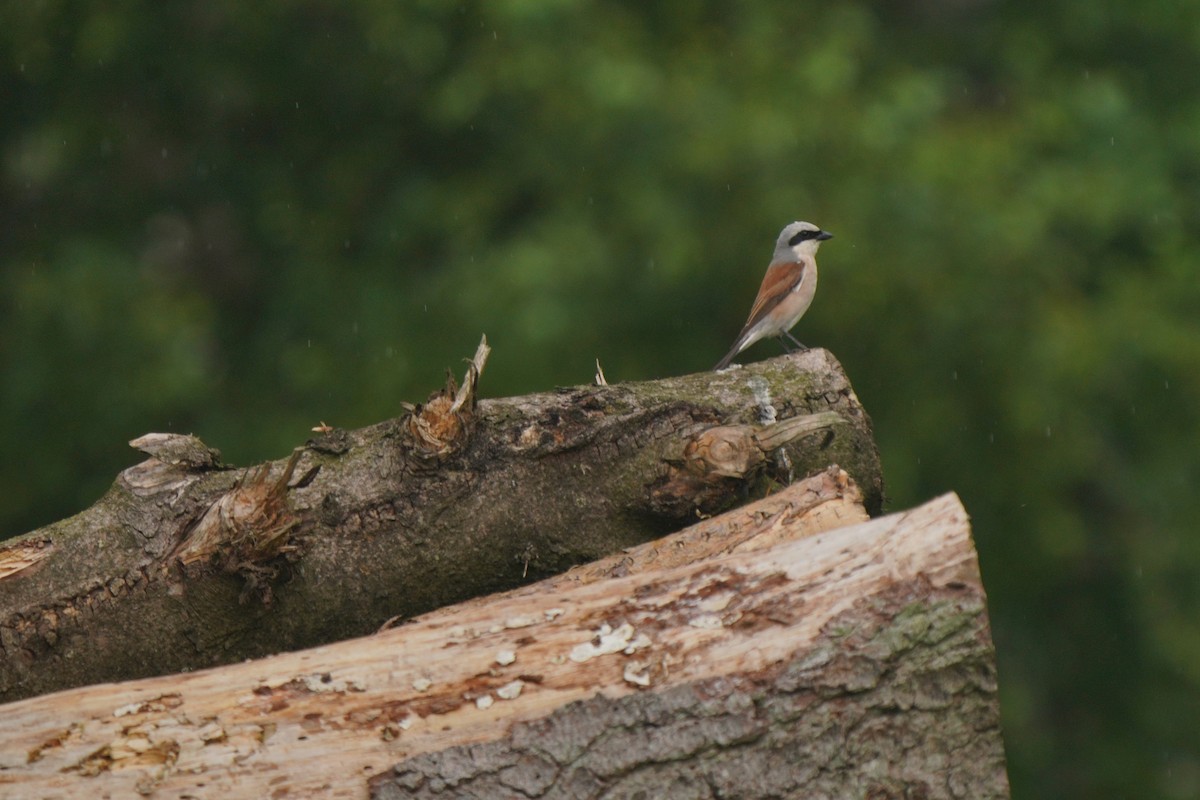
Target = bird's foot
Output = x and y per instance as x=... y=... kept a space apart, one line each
x=785 y=337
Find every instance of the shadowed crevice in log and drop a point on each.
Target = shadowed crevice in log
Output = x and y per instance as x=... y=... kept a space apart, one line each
x=901 y=702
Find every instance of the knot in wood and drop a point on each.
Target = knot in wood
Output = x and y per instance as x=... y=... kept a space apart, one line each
x=729 y=451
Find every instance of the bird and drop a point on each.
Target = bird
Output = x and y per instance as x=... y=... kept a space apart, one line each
x=787 y=289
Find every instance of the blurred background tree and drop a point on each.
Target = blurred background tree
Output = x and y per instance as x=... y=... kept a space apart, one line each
x=239 y=219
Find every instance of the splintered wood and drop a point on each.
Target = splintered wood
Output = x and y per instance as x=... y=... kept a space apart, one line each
x=809 y=610
x=187 y=563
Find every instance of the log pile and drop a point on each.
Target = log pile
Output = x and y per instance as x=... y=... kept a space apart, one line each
x=789 y=647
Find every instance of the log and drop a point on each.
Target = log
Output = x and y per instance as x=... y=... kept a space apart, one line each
x=187 y=563
x=854 y=662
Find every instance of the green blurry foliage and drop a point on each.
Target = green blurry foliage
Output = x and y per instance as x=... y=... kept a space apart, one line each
x=241 y=219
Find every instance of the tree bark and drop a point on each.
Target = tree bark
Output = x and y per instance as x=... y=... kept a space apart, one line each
x=186 y=563
x=853 y=662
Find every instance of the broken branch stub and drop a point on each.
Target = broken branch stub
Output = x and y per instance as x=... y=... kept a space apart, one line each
x=247 y=529
x=443 y=424
x=250 y=525
x=380 y=524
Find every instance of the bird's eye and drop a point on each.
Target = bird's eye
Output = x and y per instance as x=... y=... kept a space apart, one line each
x=802 y=236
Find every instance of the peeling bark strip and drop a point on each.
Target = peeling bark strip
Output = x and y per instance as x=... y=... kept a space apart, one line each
x=187 y=563
x=856 y=662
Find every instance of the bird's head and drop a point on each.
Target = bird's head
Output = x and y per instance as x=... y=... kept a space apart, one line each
x=799 y=239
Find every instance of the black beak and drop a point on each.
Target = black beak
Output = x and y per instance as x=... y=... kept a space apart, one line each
x=823 y=235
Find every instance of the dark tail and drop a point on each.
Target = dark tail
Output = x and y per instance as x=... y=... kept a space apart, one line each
x=728 y=359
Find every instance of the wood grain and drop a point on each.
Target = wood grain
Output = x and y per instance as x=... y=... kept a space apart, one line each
x=321 y=722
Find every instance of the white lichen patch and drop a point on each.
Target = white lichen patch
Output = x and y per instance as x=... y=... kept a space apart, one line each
x=552 y=614
x=131 y=744
x=126 y=710
x=505 y=657
x=716 y=602
x=637 y=673
x=522 y=621
x=762 y=396
x=640 y=643
x=323 y=682
x=707 y=622
x=164 y=702
x=211 y=733
x=422 y=684
x=607 y=641
x=484 y=701
x=510 y=691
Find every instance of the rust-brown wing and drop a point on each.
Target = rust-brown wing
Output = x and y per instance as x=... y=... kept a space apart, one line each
x=780 y=280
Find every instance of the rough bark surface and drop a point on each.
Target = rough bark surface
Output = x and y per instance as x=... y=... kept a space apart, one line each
x=902 y=705
x=186 y=563
x=896 y=699
x=854 y=662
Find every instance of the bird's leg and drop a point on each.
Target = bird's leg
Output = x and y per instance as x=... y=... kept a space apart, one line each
x=788 y=334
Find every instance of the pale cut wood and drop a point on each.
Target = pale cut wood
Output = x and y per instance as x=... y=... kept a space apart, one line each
x=322 y=722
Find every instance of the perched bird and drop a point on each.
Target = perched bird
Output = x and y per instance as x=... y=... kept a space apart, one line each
x=787 y=289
